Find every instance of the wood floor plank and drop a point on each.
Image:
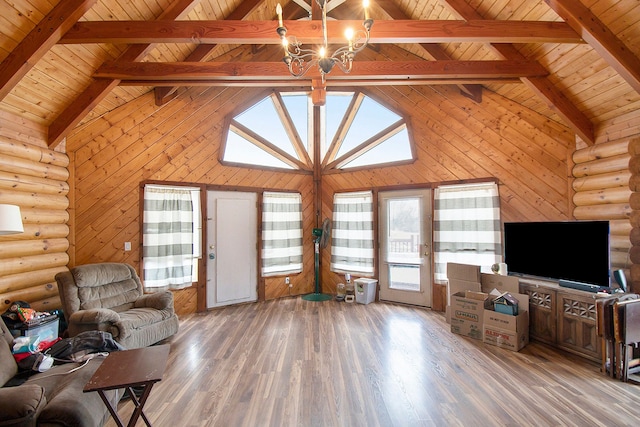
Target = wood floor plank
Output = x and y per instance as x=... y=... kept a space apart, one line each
x=291 y=362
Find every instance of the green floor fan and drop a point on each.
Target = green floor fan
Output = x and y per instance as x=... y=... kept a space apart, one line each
x=321 y=239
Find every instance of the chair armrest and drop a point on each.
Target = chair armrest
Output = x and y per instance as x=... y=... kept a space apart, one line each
x=21 y=405
x=101 y=319
x=159 y=301
x=94 y=316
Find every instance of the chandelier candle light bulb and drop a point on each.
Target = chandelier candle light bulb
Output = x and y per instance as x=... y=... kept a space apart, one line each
x=349 y=35
x=299 y=59
x=279 y=13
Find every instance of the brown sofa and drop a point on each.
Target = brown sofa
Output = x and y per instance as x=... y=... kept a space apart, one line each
x=50 y=398
x=109 y=297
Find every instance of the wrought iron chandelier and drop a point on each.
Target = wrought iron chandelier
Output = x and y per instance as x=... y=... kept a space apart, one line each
x=300 y=60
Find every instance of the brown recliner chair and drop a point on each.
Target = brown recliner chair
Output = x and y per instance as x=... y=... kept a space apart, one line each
x=109 y=297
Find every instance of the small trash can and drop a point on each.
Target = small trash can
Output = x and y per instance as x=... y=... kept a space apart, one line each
x=365 y=290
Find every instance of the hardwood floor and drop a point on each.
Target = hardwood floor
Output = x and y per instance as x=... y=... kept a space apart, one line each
x=291 y=362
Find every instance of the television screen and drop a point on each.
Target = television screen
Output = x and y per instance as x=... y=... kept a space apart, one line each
x=568 y=250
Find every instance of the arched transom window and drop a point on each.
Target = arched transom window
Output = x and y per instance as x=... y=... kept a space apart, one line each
x=354 y=131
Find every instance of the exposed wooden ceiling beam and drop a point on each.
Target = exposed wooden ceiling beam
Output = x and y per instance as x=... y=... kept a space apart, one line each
x=374 y=71
x=600 y=38
x=553 y=97
x=435 y=51
x=39 y=40
x=164 y=94
x=264 y=32
x=304 y=84
x=97 y=91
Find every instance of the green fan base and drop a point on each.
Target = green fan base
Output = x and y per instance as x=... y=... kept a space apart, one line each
x=317 y=297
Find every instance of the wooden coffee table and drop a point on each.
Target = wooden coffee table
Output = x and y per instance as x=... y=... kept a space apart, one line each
x=142 y=367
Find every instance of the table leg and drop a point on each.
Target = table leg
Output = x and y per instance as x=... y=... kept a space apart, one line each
x=139 y=404
x=112 y=410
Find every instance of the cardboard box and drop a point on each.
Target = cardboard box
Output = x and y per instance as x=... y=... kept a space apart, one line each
x=509 y=340
x=467 y=311
x=490 y=282
x=505 y=330
x=456 y=285
x=468 y=272
x=461 y=278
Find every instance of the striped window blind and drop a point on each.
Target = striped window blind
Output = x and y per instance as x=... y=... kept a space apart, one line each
x=352 y=234
x=281 y=233
x=168 y=238
x=466 y=226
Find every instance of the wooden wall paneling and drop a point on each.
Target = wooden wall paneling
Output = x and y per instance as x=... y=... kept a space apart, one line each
x=536 y=122
x=185 y=301
x=126 y=166
x=546 y=177
x=102 y=131
x=515 y=134
x=625 y=126
x=475 y=141
x=469 y=148
x=189 y=153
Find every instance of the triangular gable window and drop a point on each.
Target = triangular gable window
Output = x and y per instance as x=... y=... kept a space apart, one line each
x=357 y=132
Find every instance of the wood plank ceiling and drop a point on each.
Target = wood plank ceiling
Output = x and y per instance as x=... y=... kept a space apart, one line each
x=67 y=62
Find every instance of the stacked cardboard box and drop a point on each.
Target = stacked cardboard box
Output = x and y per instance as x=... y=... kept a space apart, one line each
x=470 y=310
x=467 y=313
x=507 y=330
x=500 y=283
x=460 y=278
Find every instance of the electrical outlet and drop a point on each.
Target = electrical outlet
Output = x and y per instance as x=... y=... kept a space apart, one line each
x=127 y=246
x=287 y=281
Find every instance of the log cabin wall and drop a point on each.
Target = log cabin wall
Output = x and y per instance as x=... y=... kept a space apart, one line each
x=35 y=178
x=602 y=192
x=634 y=220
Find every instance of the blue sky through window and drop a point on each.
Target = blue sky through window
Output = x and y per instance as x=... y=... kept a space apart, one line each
x=265 y=129
x=371 y=119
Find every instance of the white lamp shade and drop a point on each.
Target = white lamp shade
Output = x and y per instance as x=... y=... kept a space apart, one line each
x=10 y=220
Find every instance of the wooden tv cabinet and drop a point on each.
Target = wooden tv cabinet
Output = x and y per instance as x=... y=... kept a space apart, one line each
x=562 y=317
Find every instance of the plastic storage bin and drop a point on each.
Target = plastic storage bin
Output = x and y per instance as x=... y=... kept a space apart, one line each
x=47 y=331
x=365 y=290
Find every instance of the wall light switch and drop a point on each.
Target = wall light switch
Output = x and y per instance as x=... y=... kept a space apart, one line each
x=127 y=246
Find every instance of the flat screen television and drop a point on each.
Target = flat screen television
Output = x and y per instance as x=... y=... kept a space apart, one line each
x=564 y=250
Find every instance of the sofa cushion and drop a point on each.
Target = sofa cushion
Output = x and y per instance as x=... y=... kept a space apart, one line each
x=20 y=406
x=8 y=365
x=67 y=404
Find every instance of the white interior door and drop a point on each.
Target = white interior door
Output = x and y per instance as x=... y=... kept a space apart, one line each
x=405 y=246
x=231 y=248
